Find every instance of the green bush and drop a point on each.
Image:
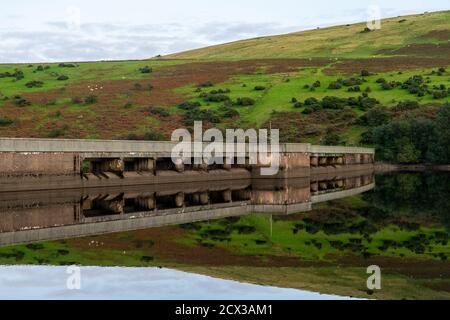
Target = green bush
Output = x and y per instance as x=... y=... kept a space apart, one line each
x=215 y=97
x=146 y=69
x=154 y=136
x=311 y=101
x=34 y=84
x=335 y=85
x=260 y=88
x=67 y=65
x=331 y=139
x=62 y=78
x=316 y=84
x=159 y=111
x=5 y=121
x=406 y=105
x=189 y=105
x=21 y=102
x=91 y=99
x=206 y=84
x=245 y=102
x=58 y=132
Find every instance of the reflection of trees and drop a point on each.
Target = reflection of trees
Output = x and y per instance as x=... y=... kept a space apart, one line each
x=413 y=197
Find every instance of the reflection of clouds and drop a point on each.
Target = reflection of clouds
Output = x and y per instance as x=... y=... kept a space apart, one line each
x=30 y=282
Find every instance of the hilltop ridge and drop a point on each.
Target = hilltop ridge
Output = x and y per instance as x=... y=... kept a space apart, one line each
x=414 y=35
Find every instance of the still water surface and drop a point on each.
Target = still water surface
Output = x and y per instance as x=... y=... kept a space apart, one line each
x=317 y=234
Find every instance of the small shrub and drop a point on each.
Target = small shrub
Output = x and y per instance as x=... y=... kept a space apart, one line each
x=159 y=111
x=146 y=69
x=311 y=101
x=245 y=102
x=189 y=105
x=316 y=84
x=34 y=84
x=66 y=65
x=154 y=136
x=294 y=100
x=206 y=84
x=406 y=105
x=62 y=78
x=21 y=102
x=354 y=89
x=128 y=105
x=365 y=73
x=91 y=99
x=215 y=97
x=229 y=112
x=35 y=246
x=58 y=132
x=5 y=121
x=335 y=85
x=147 y=259
x=440 y=94
x=63 y=252
x=219 y=91
x=260 y=88
x=331 y=139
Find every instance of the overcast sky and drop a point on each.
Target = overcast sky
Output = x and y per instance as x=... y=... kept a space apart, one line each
x=80 y=30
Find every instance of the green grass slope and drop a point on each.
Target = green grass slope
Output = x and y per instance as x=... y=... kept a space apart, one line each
x=340 y=41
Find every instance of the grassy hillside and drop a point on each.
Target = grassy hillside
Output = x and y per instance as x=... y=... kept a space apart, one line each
x=426 y=30
x=408 y=59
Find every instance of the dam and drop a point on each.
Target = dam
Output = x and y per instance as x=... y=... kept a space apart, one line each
x=52 y=164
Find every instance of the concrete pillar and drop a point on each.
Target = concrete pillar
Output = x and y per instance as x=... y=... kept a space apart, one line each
x=227 y=164
x=204 y=198
x=358 y=159
x=314 y=161
x=148 y=203
x=145 y=164
x=179 y=200
x=227 y=196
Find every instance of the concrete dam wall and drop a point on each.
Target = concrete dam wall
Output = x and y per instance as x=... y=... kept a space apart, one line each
x=40 y=164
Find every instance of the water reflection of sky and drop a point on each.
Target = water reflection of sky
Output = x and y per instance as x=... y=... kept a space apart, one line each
x=36 y=282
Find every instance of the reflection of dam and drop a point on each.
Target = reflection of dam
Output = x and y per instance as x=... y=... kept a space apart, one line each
x=51 y=215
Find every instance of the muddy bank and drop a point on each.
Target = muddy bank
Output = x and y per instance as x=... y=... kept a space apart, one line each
x=381 y=167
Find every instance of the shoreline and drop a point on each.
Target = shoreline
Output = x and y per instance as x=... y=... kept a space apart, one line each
x=381 y=167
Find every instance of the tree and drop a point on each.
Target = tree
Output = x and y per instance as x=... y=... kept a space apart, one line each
x=440 y=149
x=331 y=138
x=407 y=152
